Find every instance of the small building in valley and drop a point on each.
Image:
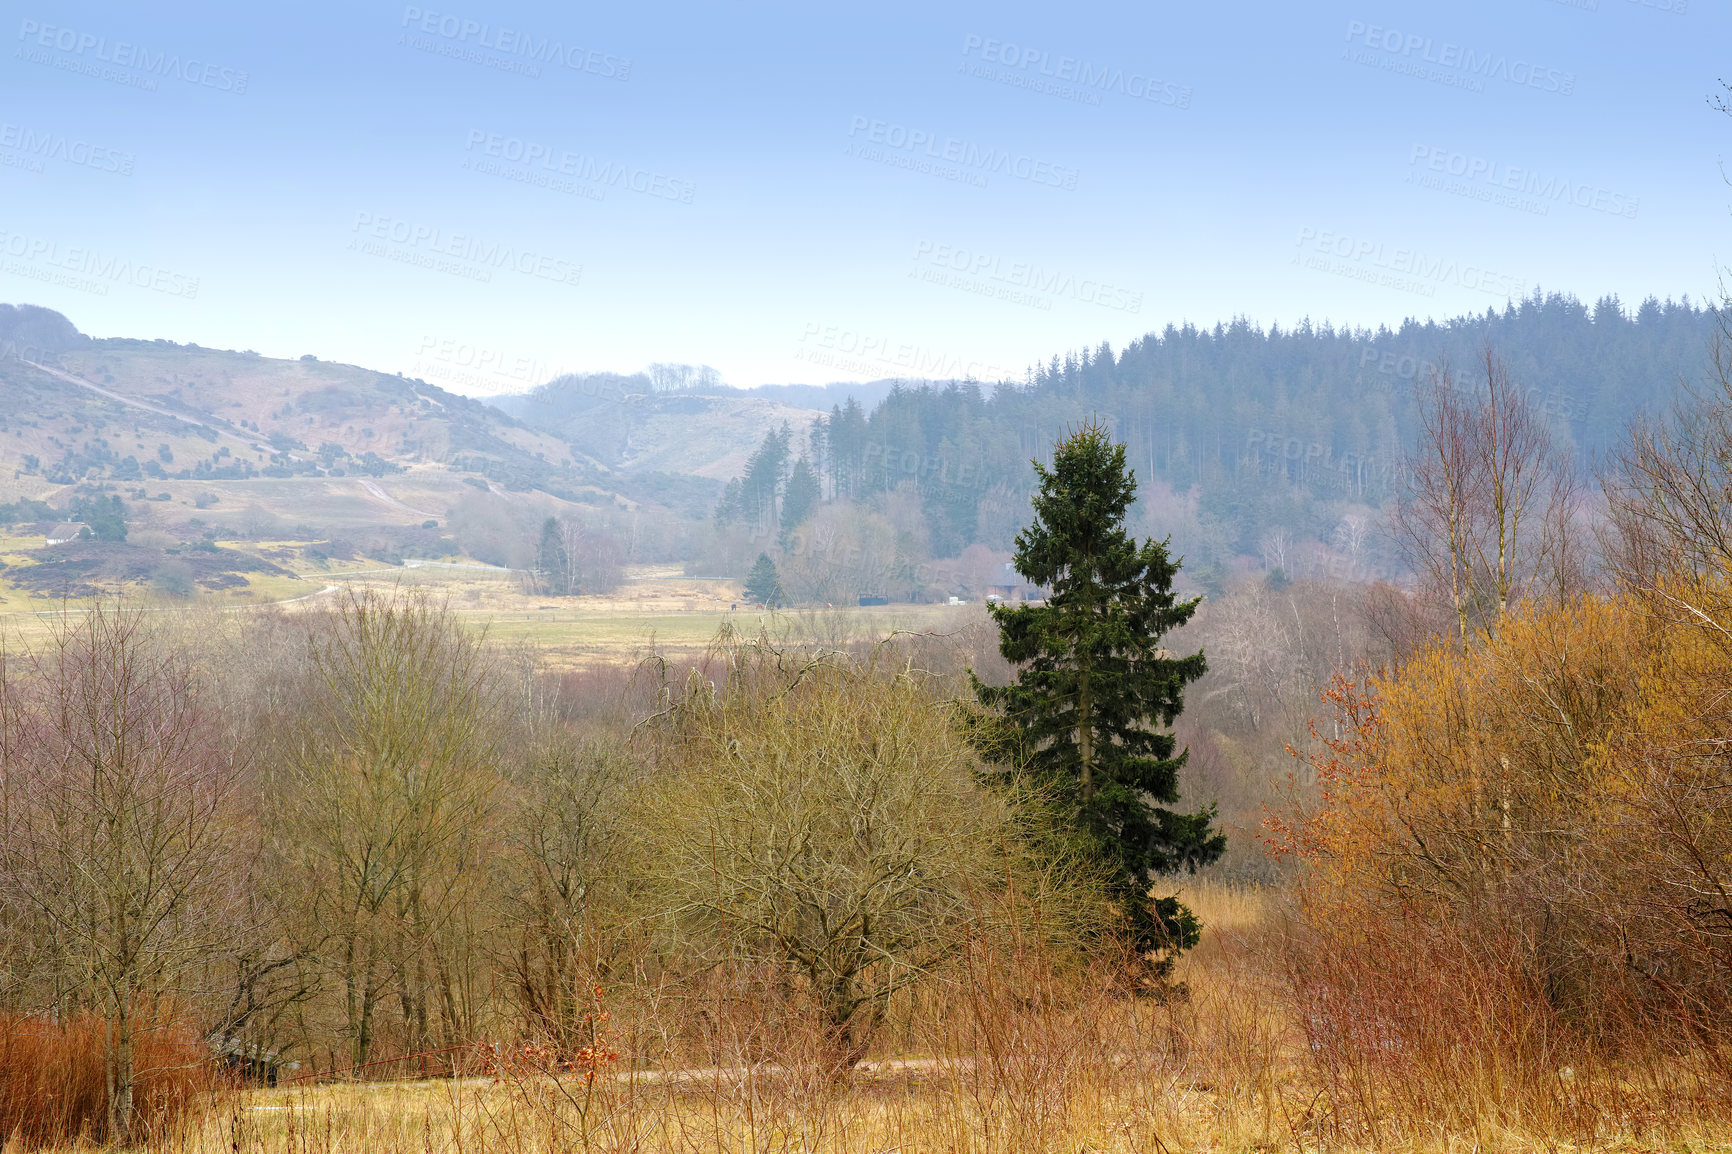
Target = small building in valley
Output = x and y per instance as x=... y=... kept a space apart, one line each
x=65 y=531
x=1008 y=585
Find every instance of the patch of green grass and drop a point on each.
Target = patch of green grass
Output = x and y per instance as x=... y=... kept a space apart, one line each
x=574 y=637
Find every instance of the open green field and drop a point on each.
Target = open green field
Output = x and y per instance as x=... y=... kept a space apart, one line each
x=676 y=615
x=569 y=638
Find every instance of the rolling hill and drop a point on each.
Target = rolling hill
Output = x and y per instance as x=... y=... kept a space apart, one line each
x=622 y=423
x=204 y=443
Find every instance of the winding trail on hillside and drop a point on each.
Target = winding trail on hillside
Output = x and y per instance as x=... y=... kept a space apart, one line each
x=303 y=597
x=134 y=402
x=373 y=488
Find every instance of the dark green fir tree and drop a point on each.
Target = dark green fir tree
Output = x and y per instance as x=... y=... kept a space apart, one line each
x=1090 y=712
x=799 y=498
x=763 y=585
x=551 y=560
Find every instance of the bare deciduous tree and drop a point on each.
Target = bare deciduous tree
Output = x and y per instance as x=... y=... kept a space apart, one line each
x=1274 y=546
x=841 y=552
x=567 y=798
x=1670 y=493
x=1489 y=516
x=592 y=557
x=384 y=790
x=118 y=836
x=1254 y=654
x=1352 y=536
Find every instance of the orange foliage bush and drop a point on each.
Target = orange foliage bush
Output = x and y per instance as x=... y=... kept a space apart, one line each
x=54 y=1085
x=1515 y=903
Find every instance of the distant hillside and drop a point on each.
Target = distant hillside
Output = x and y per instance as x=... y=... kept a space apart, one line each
x=233 y=415
x=622 y=423
x=1236 y=431
x=826 y=397
x=199 y=441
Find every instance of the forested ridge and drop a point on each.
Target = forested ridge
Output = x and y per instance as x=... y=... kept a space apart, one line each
x=1262 y=428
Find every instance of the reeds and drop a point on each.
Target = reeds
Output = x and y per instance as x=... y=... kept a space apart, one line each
x=54 y=1080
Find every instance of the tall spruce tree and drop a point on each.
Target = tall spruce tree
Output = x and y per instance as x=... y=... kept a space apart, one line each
x=551 y=561
x=763 y=584
x=761 y=485
x=799 y=498
x=1094 y=683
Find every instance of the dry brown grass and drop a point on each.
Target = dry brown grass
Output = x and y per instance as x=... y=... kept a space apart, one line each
x=1019 y=1054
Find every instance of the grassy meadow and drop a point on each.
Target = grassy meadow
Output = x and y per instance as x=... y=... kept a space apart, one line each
x=1014 y=1063
x=1288 y=1030
x=1015 y=1070
x=656 y=606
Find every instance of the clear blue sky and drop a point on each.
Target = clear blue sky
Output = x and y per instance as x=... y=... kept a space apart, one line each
x=483 y=194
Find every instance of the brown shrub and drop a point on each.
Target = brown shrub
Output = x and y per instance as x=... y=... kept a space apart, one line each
x=54 y=1079
x=1508 y=921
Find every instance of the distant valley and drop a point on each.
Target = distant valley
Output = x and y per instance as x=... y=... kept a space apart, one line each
x=204 y=444
x=1255 y=451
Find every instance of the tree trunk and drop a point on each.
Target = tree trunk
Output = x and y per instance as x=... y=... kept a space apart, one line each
x=120 y=1079
x=1085 y=727
x=364 y=1031
x=1085 y=738
x=845 y=1037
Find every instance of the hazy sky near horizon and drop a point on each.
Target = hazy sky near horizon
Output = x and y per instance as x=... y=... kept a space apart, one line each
x=486 y=194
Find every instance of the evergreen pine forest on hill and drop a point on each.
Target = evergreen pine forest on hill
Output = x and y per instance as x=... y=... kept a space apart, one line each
x=1262 y=428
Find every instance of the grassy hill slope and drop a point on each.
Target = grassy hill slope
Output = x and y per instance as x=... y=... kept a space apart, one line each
x=203 y=444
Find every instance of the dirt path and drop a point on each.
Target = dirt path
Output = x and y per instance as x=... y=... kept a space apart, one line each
x=303 y=597
x=886 y=1067
x=135 y=403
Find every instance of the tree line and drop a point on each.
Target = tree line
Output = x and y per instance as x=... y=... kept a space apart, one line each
x=1236 y=433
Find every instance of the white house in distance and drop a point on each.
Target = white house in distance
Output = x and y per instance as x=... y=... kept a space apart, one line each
x=65 y=531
